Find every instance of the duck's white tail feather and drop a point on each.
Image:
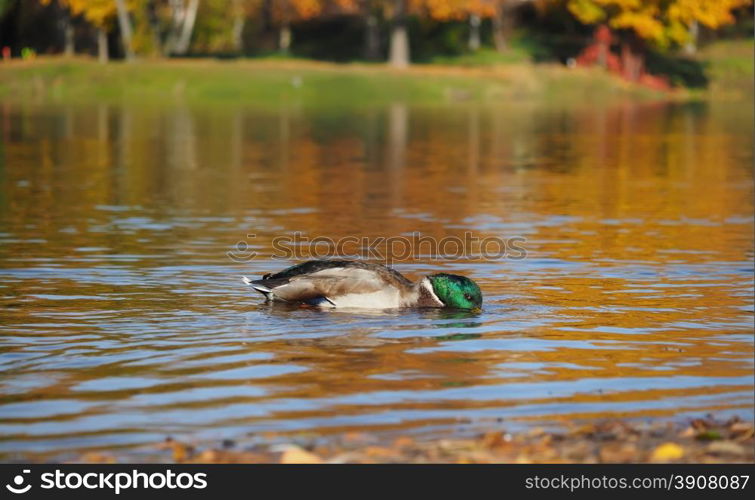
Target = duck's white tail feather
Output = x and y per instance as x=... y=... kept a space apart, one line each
x=260 y=288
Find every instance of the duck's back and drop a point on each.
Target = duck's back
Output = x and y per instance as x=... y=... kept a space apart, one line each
x=314 y=266
x=341 y=283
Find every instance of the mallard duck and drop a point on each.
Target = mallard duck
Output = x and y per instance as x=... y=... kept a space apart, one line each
x=350 y=283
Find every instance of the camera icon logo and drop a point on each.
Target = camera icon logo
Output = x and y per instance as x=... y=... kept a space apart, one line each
x=242 y=252
x=18 y=481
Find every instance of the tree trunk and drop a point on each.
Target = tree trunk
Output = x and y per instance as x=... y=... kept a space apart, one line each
x=632 y=60
x=690 y=48
x=65 y=24
x=399 y=49
x=178 y=15
x=187 y=28
x=503 y=24
x=237 y=31
x=284 y=38
x=68 y=36
x=371 y=37
x=603 y=39
x=102 y=48
x=124 y=23
x=154 y=28
x=474 y=32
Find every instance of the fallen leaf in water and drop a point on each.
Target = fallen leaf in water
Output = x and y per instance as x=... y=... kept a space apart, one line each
x=97 y=458
x=583 y=430
x=208 y=457
x=296 y=455
x=667 y=452
x=618 y=453
x=725 y=448
x=493 y=440
x=688 y=432
x=357 y=438
x=741 y=430
x=181 y=452
x=700 y=425
x=403 y=442
x=576 y=451
x=709 y=435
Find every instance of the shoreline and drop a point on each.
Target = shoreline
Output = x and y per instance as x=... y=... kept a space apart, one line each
x=315 y=83
x=608 y=441
x=273 y=81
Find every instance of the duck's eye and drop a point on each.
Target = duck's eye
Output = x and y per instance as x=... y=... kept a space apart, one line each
x=468 y=297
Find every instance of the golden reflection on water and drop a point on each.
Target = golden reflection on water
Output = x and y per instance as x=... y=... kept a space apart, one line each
x=123 y=319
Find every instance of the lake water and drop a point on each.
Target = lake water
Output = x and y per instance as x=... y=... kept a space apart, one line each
x=125 y=230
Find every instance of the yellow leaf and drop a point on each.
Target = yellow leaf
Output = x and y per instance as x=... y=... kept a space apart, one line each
x=667 y=452
x=296 y=455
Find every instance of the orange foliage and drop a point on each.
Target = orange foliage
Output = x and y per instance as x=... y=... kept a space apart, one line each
x=445 y=10
x=297 y=9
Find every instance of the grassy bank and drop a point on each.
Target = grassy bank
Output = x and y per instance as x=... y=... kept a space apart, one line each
x=486 y=77
x=308 y=83
x=729 y=65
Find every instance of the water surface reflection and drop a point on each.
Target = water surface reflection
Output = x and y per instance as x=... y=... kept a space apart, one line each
x=123 y=320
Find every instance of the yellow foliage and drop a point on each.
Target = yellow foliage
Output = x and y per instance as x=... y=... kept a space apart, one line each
x=445 y=10
x=712 y=14
x=645 y=23
x=586 y=11
x=659 y=21
x=97 y=12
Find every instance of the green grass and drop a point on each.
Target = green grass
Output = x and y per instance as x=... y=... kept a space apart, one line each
x=271 y=82
x=731 y=54
x=485 y=76
x=730 y=65
x=484 y=57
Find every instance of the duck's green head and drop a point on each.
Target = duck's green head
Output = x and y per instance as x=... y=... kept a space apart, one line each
x=456 y=291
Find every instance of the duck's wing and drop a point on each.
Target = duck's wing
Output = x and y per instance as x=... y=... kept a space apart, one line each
x=317 y=281
x=315 y=266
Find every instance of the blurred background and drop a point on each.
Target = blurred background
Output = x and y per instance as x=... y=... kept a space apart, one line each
x=659 y=37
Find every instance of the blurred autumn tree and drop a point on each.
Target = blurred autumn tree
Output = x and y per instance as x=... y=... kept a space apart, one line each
x=165 y=27
x=100 y=14
x=220 y=25
x=500 y=12
x=398 y=11
x=660 y=23
x=472 y=10
x=285 y=12
x=504 y=19
x=350 y=29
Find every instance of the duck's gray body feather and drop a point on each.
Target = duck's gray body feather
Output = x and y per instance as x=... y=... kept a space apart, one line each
x=345 y=283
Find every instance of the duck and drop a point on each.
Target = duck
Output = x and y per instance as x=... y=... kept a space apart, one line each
x=359 y=284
